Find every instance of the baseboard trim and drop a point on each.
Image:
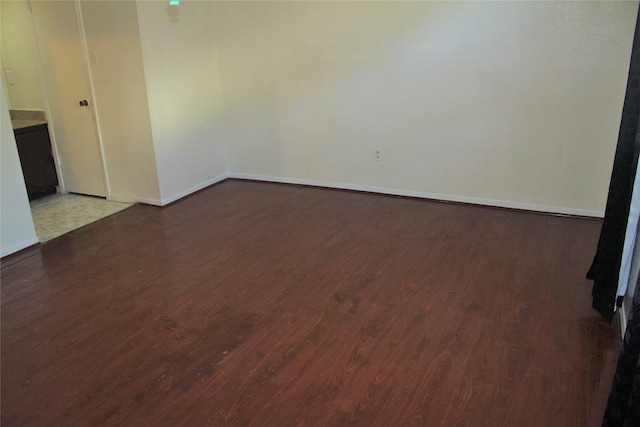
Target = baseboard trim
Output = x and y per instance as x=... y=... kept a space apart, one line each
x=121 y=199
x=165 y=201
x=557 y=210
x=20 y=246
x=147 y=201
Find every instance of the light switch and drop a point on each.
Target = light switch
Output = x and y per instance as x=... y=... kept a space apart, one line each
x=9 y=75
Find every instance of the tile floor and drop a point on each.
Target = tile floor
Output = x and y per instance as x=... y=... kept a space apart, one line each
x=58 y=214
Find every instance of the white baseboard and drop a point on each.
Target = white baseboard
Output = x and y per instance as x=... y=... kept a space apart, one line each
x=130 y=199
x=19 y=246
x=148 y=201
x=560 y=210
x=190 y=190
x=423 y=195
x=121 y=199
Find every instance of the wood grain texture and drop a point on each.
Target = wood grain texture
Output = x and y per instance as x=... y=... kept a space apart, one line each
x=255 y=304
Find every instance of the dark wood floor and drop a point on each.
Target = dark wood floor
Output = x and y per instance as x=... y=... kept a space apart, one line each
x=267 y=305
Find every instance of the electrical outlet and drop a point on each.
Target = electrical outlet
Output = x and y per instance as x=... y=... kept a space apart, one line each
x=377 y=154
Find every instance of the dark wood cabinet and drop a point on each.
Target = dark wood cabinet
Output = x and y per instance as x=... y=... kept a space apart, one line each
x=38 y=167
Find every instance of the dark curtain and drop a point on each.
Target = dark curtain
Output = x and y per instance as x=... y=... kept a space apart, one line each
x=623 y=405
x=606 y=265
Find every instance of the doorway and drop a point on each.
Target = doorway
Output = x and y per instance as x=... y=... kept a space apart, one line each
x=44 y=70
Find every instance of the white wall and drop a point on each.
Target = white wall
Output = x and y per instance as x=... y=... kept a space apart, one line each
x=506 y=103
x=183 y=88
x=113 y=42
x=19 y=56
x=16 y=225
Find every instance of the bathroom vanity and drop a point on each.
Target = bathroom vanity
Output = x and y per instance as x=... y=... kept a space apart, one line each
x=34 y=149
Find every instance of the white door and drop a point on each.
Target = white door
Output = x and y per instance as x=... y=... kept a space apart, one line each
x=67 y=86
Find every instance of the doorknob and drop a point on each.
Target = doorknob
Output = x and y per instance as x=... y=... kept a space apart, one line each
x=84 y=103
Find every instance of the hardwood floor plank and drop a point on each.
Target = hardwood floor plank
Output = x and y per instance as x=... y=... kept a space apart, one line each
x=264 y=304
